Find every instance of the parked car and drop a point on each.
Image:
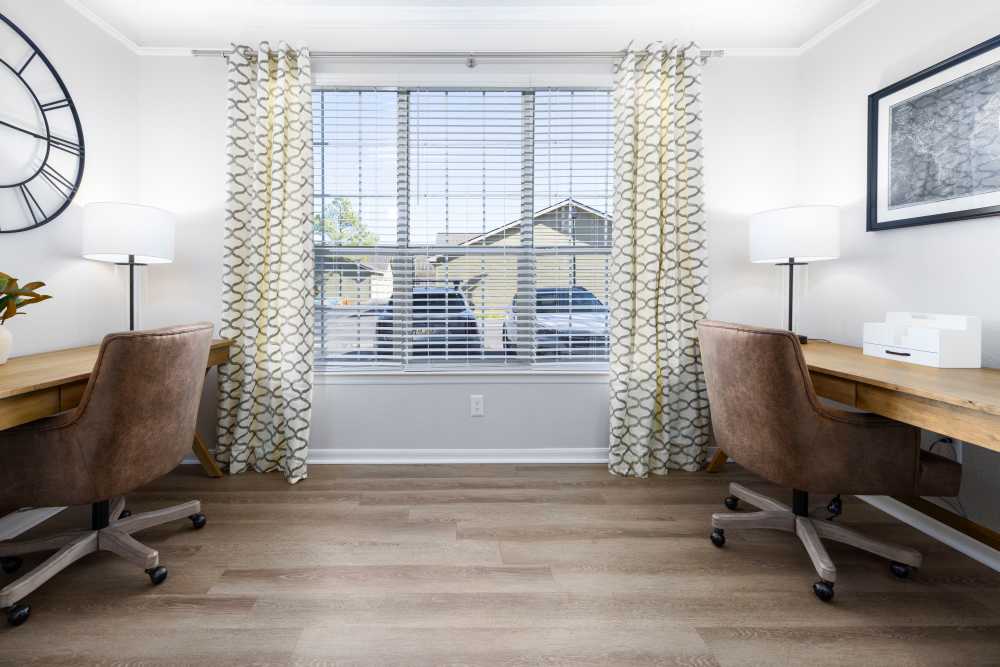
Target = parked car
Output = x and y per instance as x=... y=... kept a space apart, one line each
x=442 y=324
x=569 y=321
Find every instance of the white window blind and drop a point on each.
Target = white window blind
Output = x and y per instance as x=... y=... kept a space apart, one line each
x=462 y=228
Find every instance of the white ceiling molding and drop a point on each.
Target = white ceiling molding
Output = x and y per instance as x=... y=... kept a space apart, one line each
x=774 y=52
x=837 y=25
x=103 y=25
x=746 y=52
x=164 y=50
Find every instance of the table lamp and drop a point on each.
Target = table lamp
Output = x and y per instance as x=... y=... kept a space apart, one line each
x=794 y=237
x=129 y=235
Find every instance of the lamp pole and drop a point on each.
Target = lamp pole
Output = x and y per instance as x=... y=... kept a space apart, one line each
x=791 y=264
x=131 y=264
x=131 y=294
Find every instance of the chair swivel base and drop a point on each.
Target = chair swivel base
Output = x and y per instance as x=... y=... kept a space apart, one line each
x=778 y=516
x=72 y=546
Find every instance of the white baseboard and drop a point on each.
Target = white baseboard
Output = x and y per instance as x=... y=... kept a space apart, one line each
x=974 y=549
x=404 y=456
x=452 y=456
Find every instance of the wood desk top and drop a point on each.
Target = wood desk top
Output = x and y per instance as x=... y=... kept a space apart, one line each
x=32 y=372
x=972 y=388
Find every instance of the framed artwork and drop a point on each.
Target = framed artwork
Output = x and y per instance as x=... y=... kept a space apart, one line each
x=934 y=143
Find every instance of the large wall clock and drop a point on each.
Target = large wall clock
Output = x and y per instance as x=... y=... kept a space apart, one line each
x=41 y=141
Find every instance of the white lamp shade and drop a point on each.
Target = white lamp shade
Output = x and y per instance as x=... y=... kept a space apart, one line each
x=113 y=230
x=807 y=233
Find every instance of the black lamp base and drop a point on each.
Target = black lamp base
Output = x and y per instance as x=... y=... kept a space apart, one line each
x=791 y=264
x=131 y=264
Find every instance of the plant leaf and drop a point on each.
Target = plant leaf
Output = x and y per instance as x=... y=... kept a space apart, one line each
x=34 y=299
x=13 y=297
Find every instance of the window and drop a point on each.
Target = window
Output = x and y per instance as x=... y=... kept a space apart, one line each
x=461 y=228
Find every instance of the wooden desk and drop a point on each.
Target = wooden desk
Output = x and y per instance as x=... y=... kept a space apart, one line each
x=40 y=385
x=963 y=403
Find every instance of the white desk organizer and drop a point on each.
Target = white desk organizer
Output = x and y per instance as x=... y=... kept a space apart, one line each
x=942 y=341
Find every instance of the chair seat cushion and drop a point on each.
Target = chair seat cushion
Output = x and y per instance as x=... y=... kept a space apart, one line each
x=939 y=476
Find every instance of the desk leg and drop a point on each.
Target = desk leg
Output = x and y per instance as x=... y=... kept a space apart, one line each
x=719 y=460
x=965 y=526
x=208 y=463
x=205 y=457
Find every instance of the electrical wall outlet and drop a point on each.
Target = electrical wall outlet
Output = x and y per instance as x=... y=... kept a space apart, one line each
x=476 y=405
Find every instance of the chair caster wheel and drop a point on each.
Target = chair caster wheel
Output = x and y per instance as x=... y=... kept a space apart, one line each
x=718 y=537
x=18 y=614
x=834 y=507
x=125 y=514
x=731 y=502
x=157 y=575
x=823 y=590
x=900 y=570
x=10 y=564
x=198 y=520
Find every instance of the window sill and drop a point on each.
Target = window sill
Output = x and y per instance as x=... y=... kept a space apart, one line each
x=592 y=375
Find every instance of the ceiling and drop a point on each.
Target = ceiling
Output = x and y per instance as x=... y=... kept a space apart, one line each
x=781 y=27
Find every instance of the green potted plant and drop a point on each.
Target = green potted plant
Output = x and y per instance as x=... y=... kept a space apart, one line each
x=13 y=300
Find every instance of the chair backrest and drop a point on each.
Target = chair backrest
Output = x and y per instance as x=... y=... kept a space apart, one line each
x=136 y=420
x=765 y=413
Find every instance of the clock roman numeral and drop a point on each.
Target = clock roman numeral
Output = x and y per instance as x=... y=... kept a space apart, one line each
x=61 y=184
x=27 y=62
x=56 y=104
x=31 y=202
x=65 y=145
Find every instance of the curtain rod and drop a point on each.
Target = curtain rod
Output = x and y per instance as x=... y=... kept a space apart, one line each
x=469 y=57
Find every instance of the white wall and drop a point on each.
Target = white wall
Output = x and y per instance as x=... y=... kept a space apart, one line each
x=529 y=414
x=951 y=267
x=89 y=297
x=751 y=164
x=182 y=144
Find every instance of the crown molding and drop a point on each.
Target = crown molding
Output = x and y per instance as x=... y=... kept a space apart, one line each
x=764 y=52
x=837 y=25
x=752 y=52
x=112 y=31
x=168 y=51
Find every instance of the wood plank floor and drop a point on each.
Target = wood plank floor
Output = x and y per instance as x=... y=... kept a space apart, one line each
x=496 y=564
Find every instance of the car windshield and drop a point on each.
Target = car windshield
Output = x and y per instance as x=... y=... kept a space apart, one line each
x=567 y=300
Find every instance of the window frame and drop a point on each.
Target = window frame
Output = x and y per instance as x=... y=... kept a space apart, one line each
x=404 y=250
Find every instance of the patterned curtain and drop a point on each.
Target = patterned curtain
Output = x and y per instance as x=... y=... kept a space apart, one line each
x=265 y=391
x=659 y=408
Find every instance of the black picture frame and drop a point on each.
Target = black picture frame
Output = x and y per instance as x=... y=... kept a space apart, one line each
x=873 y=146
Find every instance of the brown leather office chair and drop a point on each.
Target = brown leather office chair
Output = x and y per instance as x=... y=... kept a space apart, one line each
x=766 y=414
x=135 y=422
